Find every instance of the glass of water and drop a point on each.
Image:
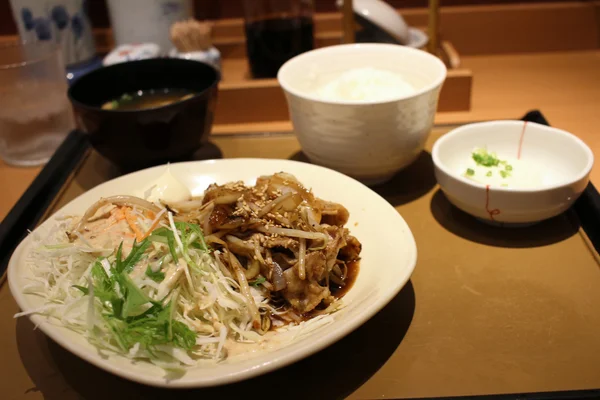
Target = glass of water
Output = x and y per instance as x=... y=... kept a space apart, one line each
x=35 y=113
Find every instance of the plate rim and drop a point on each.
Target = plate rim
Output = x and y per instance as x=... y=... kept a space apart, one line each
x=293 y=355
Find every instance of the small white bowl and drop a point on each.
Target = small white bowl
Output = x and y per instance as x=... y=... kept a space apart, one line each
x=370 y=141
x=564 y=163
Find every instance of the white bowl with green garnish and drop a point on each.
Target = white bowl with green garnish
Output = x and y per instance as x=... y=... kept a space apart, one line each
x=511 y=171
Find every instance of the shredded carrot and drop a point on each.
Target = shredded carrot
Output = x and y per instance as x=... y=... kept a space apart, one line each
x=117 y=213
x=149 y=214
x=131 y=221
x=152 y=227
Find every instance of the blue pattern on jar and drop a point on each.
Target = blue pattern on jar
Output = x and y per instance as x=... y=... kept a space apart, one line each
x=60 y=16
x=77 y=26
x=27 y=18
x=43 y=30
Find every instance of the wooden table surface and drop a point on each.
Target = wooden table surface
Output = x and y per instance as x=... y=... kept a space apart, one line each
x=565 y=86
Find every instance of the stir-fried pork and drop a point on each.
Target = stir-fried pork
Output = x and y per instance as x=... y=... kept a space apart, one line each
x=280 y=230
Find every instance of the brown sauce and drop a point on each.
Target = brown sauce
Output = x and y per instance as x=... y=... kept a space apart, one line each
x=340 y=291
x=336 y=290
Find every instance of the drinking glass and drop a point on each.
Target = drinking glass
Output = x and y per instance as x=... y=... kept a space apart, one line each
x=35 y=113
x=276 y=30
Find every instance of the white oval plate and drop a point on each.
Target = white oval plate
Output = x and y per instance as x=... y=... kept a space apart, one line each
x=389 y=256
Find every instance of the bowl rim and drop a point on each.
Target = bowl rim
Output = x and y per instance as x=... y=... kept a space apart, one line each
x=99 y=109
x=357 y=46
x=477 y=125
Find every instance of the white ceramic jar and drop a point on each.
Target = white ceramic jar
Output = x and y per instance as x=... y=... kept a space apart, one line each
x=368 y=140
x=64 y=22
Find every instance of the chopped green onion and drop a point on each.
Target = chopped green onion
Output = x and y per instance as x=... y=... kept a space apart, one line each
x=470 y=172
x=258 y=281
x=489 y=173
x=482 y=157
x=504 y=174
x=509 y=167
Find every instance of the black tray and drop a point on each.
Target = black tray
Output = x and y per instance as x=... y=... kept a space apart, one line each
x=35 y=202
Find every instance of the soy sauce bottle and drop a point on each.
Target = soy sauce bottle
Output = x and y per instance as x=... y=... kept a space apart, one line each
x=276 y=30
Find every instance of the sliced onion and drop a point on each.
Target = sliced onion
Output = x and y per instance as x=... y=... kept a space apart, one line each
x=267 y=208
x=222 y=266
x=313 y=217
x=239 y=243
x=258 y=254
x=253 y=269
x=187 y=205
x=227 y=198
x=267 y=285
x=214 y=238
x=337 y=271
x=294 y=233
x=206 y=221
x=302 y=259
x=232 y=224
x=291 y=203
x=279 y=282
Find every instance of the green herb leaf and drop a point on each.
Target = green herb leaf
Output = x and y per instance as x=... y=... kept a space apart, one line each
x=154 y=327
x=117 y=327
x=489 y=173
x=509 y=167
x=258 y=281
x=470 y=172
x=186 y=229
x=84 y=290
x=119 y=258
x=504 y=174
x=165 y=235
x=117 y=307
x=134 y=298
x=130 y=314
x=134 y=257
x=166 y=315
x=183 y=336
x=103 y=285
x=157 y=276
x=186 y=233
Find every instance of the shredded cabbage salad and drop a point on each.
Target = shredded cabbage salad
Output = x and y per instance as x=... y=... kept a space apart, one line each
x=166 y=300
